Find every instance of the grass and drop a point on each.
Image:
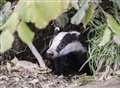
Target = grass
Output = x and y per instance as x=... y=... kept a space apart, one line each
x=107 y=55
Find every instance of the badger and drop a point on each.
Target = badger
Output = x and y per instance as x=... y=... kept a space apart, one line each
x=68 y=53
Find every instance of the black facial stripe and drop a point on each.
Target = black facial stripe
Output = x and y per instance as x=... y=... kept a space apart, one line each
x=68 y=38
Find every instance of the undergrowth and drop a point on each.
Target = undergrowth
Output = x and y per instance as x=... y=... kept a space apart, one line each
x=102 y=56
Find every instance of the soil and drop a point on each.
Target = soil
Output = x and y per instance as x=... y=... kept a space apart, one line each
x=22 y=77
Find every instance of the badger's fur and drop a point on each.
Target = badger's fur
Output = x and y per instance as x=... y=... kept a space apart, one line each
x=67 y=53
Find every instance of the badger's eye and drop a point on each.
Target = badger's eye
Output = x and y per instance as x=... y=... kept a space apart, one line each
x=61 y=46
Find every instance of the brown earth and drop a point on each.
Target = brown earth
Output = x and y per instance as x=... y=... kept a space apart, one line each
x=27 y=78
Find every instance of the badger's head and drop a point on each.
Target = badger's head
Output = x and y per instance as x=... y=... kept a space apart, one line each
x=64 y=43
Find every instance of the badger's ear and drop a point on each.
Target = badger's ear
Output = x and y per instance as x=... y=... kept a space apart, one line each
x=56 y=30
x=75 y=32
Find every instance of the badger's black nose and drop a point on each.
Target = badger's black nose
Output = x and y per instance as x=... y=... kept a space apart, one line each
x=50 y=54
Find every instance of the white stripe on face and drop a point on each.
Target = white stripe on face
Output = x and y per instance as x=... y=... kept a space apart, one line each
x=56 y=41
x=74 y=46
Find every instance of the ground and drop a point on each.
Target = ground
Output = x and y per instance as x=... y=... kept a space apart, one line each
x=25 y=75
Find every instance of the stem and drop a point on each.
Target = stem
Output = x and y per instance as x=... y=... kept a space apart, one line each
x=37 y=55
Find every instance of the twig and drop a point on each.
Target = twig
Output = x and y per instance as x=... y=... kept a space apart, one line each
x=37 y=55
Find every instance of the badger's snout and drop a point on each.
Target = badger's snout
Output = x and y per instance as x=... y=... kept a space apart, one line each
x=51 y=53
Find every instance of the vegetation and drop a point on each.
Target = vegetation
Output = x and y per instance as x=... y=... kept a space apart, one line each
x=104 y=49
x=26 y=11
x=104 y=26
x=2 y=2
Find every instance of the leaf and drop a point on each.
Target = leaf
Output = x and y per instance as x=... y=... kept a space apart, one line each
x=78 y=17
x=106 y=37
x=116 y=39
x=41 y=12
x=117 y=2
x=5 y=12
x=25 y=33
x=6 y=40
x=11 y=23
x=74 y=3
x=2 y=2
x=113 y=24
x=88 y=14
x=62 y=20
